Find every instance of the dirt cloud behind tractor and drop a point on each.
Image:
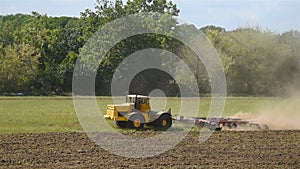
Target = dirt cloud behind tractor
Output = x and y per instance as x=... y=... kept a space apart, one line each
x=284 y=116
x=281 y=117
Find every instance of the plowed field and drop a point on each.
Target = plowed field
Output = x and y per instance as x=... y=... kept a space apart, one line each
x=226 y=149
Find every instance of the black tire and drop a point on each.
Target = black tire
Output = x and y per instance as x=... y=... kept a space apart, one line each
x=164 y=122
x=233 y=126
x=136 y=121
x=213 y=126
x=121 y=124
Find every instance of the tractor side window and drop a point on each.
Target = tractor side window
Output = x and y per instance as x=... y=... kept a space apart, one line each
x=131 y=100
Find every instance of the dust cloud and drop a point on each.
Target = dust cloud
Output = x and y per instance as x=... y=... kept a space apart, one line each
x=283 y=116
x=280 y=117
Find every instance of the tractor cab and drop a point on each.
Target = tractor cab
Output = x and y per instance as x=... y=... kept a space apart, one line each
x=140 y=102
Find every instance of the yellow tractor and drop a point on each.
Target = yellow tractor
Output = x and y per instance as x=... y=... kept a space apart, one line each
x=136 y=113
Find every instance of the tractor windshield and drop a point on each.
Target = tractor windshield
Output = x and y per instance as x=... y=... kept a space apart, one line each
x=145 y=101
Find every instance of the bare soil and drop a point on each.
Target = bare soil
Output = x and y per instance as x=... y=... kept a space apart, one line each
x=226 y=149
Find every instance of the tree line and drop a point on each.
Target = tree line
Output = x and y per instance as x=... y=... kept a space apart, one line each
x=38 y=53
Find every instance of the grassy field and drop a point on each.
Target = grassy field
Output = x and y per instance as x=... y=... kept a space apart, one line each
x=57 y=114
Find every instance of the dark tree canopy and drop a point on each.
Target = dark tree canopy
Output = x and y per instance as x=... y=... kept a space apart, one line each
x=38 y=53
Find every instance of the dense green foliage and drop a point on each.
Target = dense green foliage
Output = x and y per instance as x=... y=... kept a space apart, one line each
x=38 y=52
x=258 y=62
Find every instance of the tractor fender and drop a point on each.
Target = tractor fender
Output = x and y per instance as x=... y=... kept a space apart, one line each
x=133 y=113
x=156 y=115
x=138 y=113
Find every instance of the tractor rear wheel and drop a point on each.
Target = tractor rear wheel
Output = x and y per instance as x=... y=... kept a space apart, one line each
x=163 y=122
x=136 y=121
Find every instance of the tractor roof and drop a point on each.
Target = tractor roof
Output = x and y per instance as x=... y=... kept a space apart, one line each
x=138 y=96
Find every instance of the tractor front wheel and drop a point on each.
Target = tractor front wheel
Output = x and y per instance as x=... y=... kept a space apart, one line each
x=121 y=124
x=136 y=121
